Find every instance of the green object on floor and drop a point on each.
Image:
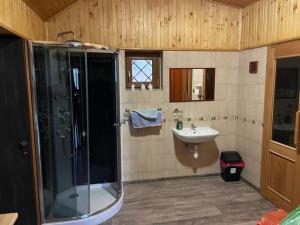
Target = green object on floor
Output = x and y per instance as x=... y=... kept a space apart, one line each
x=293 y=218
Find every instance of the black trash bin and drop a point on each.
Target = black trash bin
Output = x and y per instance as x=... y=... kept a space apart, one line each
x=231 y=164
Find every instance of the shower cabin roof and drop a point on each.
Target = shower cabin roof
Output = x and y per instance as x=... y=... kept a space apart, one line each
x=70 y=44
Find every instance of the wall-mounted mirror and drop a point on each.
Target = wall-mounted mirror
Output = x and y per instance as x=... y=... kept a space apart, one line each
x=192 y=84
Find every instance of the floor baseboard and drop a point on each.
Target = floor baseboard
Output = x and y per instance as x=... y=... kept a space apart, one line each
x=250 y=184
x=170 y=178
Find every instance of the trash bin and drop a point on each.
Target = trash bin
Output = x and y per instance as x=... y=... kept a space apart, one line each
x=231 y=165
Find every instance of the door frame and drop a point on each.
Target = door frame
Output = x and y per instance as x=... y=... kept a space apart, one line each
x=35 y=162
x=284 y=50
x=23 y=61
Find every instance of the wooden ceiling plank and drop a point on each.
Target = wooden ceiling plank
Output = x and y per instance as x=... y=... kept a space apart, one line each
x=48 y=8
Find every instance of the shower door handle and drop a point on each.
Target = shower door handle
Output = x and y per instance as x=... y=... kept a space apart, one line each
x=116 y=124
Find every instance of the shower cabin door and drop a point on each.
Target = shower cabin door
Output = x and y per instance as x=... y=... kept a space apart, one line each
x=78 y=77
x=280 y=181
x=60 y=103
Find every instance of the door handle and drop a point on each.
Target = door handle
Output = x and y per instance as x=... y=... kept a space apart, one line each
x=22 y=146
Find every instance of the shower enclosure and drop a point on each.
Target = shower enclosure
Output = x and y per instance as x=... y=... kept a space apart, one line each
x=76 y=107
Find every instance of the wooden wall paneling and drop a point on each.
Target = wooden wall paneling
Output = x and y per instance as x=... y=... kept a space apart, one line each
x=128 y=18
x=76 y=23
x=188 y=31
x=221 y=25
x=204 y=25
x=107 y=18
x=84 y=16
x=48 y=8
x=114 y=22
x=159 y=15
x=155 y=24
x=172 y=27
x=138 y=22
x=179 y=26
x=92 y=9
x=18 y=18
x=95 y=9
x=268 y=22
x=211 y=16
x=164 y=21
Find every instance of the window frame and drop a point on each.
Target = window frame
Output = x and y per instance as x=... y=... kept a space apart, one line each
x=155 y=56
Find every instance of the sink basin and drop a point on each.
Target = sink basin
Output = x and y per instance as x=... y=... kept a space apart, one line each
x=200 y=134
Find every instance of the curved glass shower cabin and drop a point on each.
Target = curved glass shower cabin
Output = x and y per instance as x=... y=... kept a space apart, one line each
x=77 y=131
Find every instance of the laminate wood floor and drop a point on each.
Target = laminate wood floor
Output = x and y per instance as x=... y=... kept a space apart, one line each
x=191 y=201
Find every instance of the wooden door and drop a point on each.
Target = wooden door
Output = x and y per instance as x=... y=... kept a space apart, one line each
x=280 y=177
x=17 y=187
x=181 y=80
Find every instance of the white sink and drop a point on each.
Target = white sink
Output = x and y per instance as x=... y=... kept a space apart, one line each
x=197 y=135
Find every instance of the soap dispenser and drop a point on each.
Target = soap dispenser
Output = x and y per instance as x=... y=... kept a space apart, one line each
x=179 y=125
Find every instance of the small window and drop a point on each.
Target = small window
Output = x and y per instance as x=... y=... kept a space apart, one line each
x=143 y=68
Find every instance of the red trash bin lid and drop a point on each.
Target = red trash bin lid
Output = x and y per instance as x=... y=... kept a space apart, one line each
x=236 y=164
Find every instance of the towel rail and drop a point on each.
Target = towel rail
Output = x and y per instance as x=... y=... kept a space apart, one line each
x=126 y=115
x=127 y=110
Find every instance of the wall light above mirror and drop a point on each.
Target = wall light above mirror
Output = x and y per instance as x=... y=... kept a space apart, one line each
x=192 y=84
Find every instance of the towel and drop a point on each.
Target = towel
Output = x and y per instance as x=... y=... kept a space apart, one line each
x=146 y=118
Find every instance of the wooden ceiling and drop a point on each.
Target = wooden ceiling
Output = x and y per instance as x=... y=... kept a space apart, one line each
x=47 y=8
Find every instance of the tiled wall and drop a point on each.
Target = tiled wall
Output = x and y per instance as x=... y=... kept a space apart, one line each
x=237 y=113
x=154 y=153
x=249 y=130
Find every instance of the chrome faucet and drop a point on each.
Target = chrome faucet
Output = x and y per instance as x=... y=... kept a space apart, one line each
x=193 y=126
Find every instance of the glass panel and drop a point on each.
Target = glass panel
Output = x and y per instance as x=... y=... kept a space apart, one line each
x=61 y=108
x=79 y=143
x=286 y=100
x=78 y=88
x=55 y=130
x=40 y=63
x=103 y=139
x=117 y=128
x=141 y=70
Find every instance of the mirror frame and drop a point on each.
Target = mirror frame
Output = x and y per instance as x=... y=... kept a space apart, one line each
x=170 y=101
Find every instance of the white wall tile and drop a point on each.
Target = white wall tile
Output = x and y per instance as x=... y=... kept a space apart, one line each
x=251 y=105
x=149 y=154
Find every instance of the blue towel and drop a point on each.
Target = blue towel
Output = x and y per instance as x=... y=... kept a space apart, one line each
x=148 y=113
x=146 y=118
